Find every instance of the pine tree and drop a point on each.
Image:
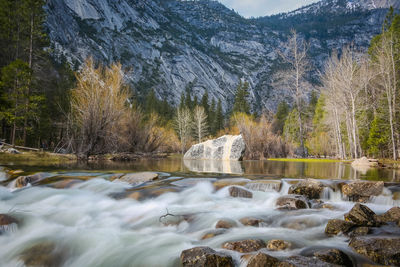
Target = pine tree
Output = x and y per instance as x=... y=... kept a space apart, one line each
x=182 y=103
x=280 y=116
x=211 y=117
x=219 y=118
x=241 y=103
x=378 y=138
x=204 y=103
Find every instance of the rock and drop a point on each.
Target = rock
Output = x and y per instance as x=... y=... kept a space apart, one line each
x=382 y=250
x=310 y=188
x=225 y=224
x=365 y=162
x=138 y=177
x=392 y=215
x=301 y=261
x=250 y=221
x=235 y=191
x=205 y=257
x=244 y=246
x=65 y=183
x=359 y=231
x=23 y=181
x=7 y=223
x=292 y=202
x=12 y=151
x=277 y=245
x=213 y=233
x=334 y=256
x=361 y=215
x=335 y=226
x=360 y=191
x=262 y=260
x=227 y=147
x=44 y=254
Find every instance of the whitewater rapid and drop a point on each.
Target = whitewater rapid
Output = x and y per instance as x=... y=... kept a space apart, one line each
x=93 y=227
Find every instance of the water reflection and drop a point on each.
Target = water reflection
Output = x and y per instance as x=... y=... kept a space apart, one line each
x=214 y=166
x=267 y=168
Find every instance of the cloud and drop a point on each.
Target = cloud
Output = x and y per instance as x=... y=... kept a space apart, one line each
x=257 y=8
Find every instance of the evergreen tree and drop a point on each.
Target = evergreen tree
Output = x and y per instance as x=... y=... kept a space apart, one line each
x=219 y=118
x=211 y=117
x=280 y=116
x=182 y=103
x=151 y=103
x=378 y=138
x=241 y=103
x=205 y=104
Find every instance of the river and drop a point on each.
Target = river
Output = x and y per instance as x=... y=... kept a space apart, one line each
x=89 y=220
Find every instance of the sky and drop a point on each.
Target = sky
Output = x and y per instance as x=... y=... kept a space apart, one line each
x=257 y=8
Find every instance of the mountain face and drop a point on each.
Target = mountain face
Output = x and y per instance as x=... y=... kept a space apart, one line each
x=171 y=45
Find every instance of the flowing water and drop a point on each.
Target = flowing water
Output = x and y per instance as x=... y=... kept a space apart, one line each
x=93 y=221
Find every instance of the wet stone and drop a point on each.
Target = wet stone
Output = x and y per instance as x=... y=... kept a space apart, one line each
x=262 y=260
x=244 y=246
x=225 y=224
x=277 y=245
x=292 y=202
x=361 y=215
x=360 y=191
x=7 y=223
x=310 y=188
x=205 y=257
x=334 y=256
x=213 y=233
x=235 y=191
x=382 y=250
x=250 y=221
x=335 y=226
x=392 y=215
x=359 y=231
x=44 y=254
x=301 y=261
x=138 y=178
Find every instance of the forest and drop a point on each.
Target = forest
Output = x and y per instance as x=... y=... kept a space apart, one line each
x=47 y=104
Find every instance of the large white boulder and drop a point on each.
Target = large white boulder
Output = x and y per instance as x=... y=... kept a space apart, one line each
x=227 y=147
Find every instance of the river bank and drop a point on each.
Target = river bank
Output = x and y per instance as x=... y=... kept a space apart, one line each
x=96 y=218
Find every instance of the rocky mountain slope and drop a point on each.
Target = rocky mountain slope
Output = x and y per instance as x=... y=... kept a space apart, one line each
x=169 y=45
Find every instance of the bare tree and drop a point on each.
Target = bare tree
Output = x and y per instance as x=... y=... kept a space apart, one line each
x=200 y=123
x=183 y=124
x=97 y=105
x=294 y=53
x=384 y=63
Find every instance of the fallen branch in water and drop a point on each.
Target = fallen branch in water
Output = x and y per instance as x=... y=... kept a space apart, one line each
x=165 y=215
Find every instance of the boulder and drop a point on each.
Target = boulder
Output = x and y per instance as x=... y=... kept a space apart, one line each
x=226 y=224
x=138 y=177
x=244 y=246
x=392 y=215
x=335 y=226
x=250 y=221
x=360 y=191
x=7 y=223
x=227 y=147
x=382 y=250
x=277 y=245
x=262 y=260
x=359 y=231
x=334 y=256
x=44 y=254
x=235 y=191
x=365 y=162
x=361 y=215
x=301 y=261
x=310 y=188
x=292 y=202
x=213 y=233
x=23 y=181
x=220 y=183
x=205 y=256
